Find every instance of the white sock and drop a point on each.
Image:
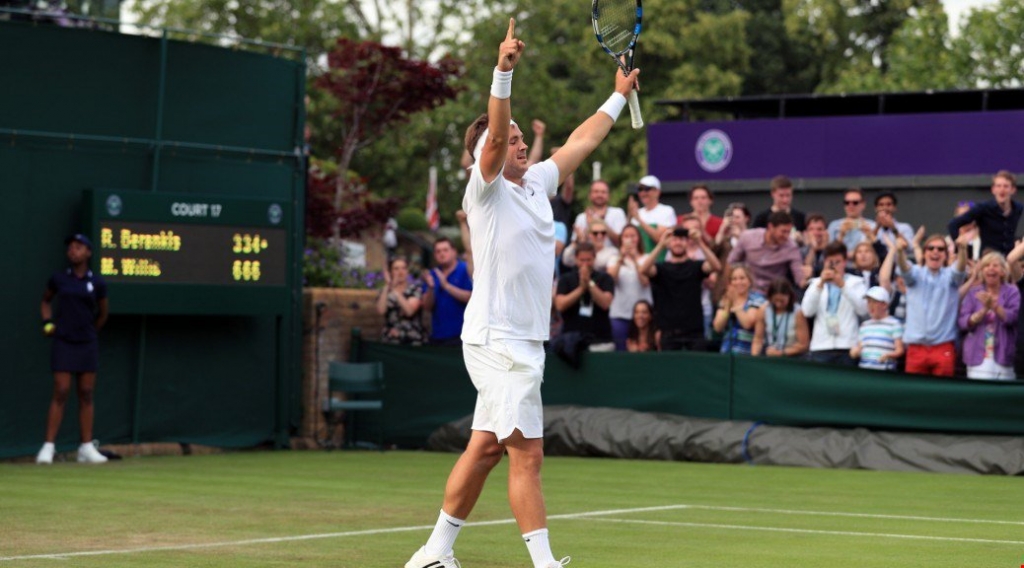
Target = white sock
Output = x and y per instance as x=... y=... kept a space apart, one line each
x=442 y=539
x=540 y=549
x=48 y=445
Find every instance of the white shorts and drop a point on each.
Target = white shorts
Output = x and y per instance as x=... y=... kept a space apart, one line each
x=507 y=374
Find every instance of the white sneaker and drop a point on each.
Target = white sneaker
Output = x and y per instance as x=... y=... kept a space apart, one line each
x=560 y=563
x=423 y=560
x=87 y=453
x=45 y=454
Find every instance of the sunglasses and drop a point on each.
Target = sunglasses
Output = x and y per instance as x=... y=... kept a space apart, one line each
x=643 y=188
x=852 y=202
x=598 y=232
x=934 y=247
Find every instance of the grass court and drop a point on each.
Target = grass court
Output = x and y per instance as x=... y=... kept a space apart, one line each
x=372 y=510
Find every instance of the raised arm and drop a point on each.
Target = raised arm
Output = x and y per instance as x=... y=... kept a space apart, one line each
x=711 y=262
x=499 y=109
x=885 y=271
x=648 y=266
x=961 y=253
x=972 y=214
x=589 y=135
x=901 y=255
x=1013 y=258
x=537 y=147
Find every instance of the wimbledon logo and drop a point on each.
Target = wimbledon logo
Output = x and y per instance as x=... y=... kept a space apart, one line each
x=114 y=205
x=274 y=214
x=714 y=151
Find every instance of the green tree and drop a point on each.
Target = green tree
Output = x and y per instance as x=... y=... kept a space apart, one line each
x=310 y=24
x=780 y=61
x=369 y=88
x=422 y=30
x=988 y=50
x=564 y=77
x=851 y=34
x=920 y=57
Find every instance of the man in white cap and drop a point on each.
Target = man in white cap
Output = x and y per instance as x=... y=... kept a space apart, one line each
x=880 y=341
x=653 y=217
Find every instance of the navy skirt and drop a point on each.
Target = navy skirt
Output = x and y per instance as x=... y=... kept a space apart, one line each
x=68 y=357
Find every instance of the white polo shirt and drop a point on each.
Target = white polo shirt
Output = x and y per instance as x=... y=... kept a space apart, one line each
x=513 y=236
x=662 y=215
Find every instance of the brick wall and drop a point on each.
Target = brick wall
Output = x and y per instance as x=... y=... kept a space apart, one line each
x=344 y=309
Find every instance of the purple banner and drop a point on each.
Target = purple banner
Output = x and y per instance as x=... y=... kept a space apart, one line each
x=857 y=146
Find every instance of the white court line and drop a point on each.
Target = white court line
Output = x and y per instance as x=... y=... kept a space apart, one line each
x=856 y=515
x=583 y=515
x=368 y=532
x=809 y=531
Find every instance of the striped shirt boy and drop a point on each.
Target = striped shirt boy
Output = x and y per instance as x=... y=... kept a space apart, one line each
x=877 y=338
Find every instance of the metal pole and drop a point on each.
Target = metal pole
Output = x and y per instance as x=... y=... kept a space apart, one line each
x=137 y=413
x=158 y=136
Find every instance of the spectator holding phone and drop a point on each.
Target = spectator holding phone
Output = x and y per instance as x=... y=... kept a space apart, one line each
x=813 y=248
x=853 y=228
x=631 y=285
x=676 y=286
x=836 y=301
x=736 y=220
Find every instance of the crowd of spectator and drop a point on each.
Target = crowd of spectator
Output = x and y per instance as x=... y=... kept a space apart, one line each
x=853 y=291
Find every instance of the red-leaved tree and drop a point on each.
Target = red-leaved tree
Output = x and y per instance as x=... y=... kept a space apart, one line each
x=323 y=220
x=376 y=88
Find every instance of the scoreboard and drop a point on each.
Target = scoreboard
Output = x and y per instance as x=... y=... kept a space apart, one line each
x=181 y=253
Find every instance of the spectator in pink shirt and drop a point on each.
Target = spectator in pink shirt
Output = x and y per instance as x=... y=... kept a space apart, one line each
x=770 y=253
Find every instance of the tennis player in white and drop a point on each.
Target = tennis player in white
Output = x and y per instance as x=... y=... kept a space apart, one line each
x=508 y=316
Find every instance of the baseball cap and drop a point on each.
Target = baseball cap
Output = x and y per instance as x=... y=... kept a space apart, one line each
x=878 y=293
x=78 y=237
x=650 y=181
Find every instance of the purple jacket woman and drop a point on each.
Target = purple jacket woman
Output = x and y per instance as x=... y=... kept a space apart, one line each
x=1004 y=328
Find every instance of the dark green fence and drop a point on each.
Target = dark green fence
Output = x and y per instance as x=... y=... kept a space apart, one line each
x=429 y=386
x=83 y=109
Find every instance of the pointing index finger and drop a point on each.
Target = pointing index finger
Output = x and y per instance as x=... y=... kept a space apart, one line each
x=511 y=28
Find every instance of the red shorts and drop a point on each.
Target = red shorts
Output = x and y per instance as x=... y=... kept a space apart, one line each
x=937 y=360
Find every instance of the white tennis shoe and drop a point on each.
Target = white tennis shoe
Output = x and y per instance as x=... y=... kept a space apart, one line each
x=423 y=560
x=45 y=455
x=87 y=453
x=563 y=562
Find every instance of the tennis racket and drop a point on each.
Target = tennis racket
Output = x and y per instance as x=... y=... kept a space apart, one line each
x=617 y=27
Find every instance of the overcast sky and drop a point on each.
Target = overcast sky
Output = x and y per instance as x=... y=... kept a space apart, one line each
x=957 y=7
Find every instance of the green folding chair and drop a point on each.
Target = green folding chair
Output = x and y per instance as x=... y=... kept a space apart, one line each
x=352 y=388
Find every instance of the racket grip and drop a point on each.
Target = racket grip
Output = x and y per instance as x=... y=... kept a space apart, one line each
x=634 y=111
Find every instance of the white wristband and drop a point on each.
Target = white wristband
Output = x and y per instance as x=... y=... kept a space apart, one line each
x=613 y=106
x=501 y=85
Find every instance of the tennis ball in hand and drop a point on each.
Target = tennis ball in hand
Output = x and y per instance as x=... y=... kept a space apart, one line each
x=49 y=328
